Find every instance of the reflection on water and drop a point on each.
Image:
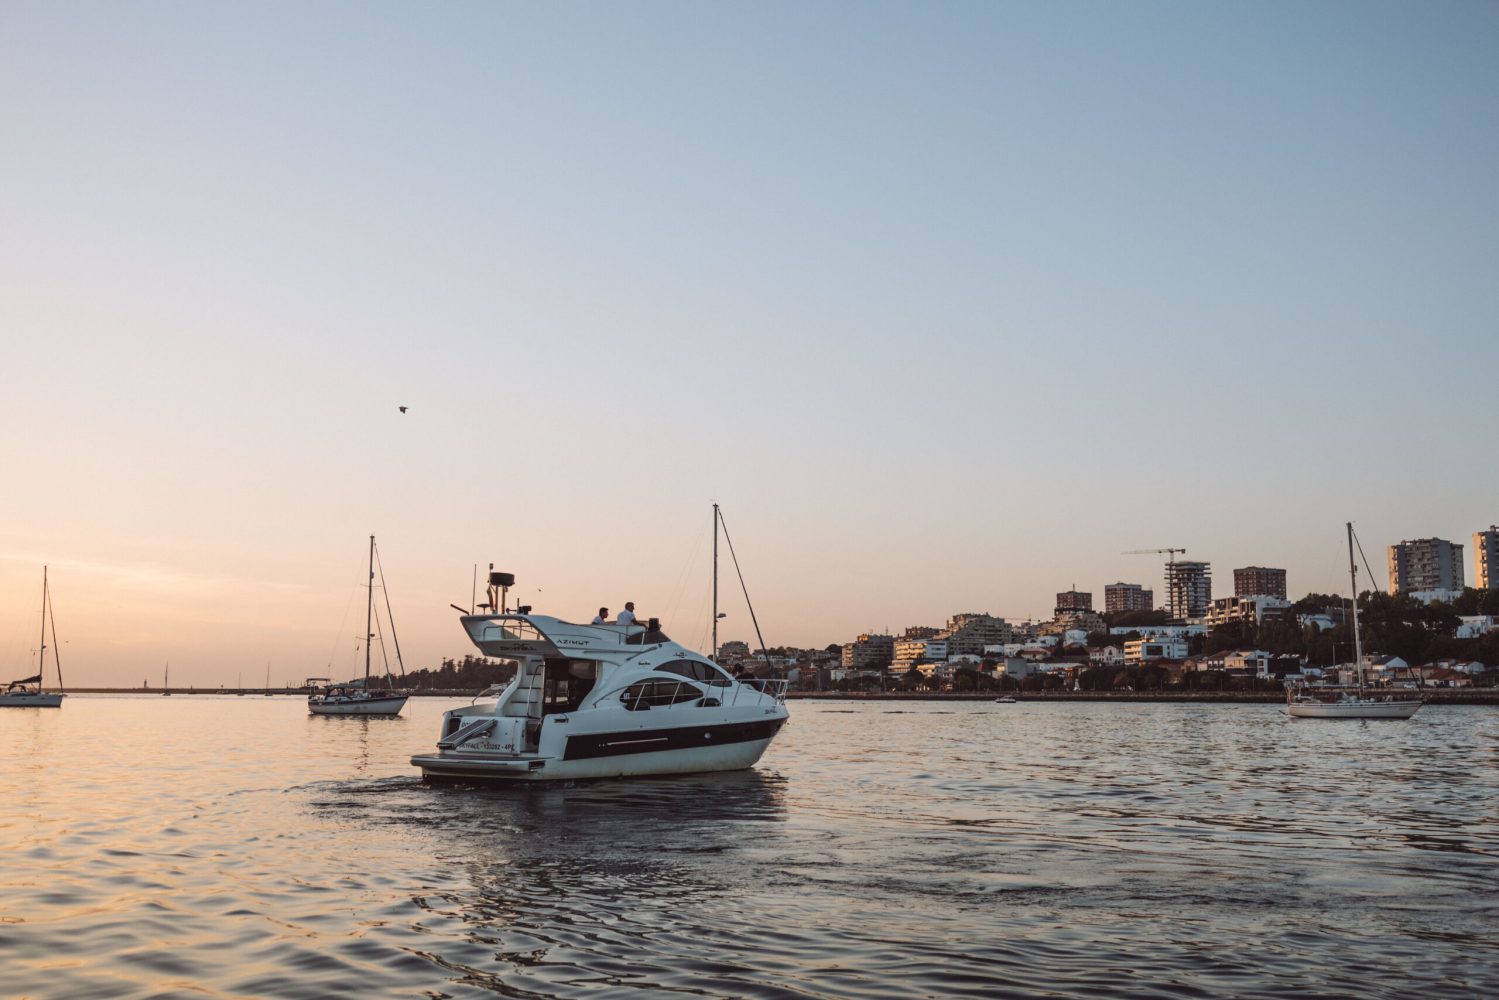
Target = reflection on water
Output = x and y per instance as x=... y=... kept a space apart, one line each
x=235 y=847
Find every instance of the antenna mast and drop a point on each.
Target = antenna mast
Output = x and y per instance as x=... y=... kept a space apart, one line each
x=713 y=653
x=1358 y=649
x=369 y=616
x=41 y=656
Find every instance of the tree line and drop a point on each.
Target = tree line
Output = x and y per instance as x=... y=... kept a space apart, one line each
x=470 y=673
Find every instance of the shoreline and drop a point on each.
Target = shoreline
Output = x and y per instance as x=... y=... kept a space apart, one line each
x=1485 y=696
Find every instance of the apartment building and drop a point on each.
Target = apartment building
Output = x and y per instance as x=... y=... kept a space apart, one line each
x=1425 y=564
x=1144 y=650
x=910 y=652
x=1251 y=609
x=1127 y=597
x=1486 y=558
x=1252 y=581
x=1189 y=589
x=868 y=652
x=970 y=632
x=1074 y=600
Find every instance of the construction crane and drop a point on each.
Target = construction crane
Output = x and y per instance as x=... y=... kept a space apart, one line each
x=1170 y=554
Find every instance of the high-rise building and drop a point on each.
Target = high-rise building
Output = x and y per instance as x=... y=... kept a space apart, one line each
x=1259 y=581
x=1127 y=597
x=1425 y=564
x=868 y=652
x=1189 y=589
x=970 y=632
x=1486 y=558
x=1074 y=600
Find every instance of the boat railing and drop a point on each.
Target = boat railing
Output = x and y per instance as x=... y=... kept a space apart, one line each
x=493 y=691
x=774 y=687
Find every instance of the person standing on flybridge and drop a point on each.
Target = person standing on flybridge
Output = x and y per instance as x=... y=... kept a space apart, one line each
x=627 y=616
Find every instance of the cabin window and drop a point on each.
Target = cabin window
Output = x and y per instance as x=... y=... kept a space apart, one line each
x=658 y=694
x=697 y=670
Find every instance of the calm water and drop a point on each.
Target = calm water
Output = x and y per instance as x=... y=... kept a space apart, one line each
x=235 y=847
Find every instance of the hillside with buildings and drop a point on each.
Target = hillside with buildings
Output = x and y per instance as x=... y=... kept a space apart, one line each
x=1428 y=629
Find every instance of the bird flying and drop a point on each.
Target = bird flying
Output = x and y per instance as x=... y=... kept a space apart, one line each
x=401 y=408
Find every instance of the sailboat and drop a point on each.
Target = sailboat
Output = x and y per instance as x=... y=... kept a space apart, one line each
x=166 y=679
x=1302 y=703
x=27 y=692
x=356 y=697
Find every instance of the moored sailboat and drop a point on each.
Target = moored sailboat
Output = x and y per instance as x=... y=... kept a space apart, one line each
x=27 y=692
x=358 y=697
x=1335 y=703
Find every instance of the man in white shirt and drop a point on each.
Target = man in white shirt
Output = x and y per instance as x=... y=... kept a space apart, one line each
x=602 y=618
x=627 y=616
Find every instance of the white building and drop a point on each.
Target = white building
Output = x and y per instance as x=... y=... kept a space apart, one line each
x=1017 y=668
x=909 y=652
x=1473 y=626
x=1251 y=608
x=1143 y=650
x=1160 y=631
x=1323 y=623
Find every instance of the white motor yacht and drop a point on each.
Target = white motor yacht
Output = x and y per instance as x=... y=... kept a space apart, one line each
x=601 y=701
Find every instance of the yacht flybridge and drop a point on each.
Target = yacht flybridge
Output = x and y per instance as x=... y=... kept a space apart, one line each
x=602 y=701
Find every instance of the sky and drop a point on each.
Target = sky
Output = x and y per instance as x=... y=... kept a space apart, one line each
x=948 y=304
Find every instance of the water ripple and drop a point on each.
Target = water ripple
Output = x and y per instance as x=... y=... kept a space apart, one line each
x=1181 y=851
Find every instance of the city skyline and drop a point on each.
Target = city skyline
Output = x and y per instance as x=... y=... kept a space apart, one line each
x=948 y=308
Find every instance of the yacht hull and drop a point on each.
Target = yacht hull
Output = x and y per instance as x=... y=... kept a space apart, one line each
x=31 y=700
x=362 y=706
x=1353 y=709
x=470 y=765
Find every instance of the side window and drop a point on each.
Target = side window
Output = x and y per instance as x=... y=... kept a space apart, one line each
x=704 y=672
x=658 y=694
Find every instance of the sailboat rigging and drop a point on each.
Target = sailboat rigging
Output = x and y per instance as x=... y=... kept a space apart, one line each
x=720 y=523
x=27 y=692
x=357 y=697
x=1301 y=703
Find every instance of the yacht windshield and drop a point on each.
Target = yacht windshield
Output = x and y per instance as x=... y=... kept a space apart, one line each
x=696 y=670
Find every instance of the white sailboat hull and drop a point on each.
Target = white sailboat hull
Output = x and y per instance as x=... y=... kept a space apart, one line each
x=357 y=706
x=1353 y=708
x=30 y=700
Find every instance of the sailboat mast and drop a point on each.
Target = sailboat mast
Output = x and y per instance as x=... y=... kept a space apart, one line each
x=41 y=656
x=369 y=616
x=1358 y=649
x=713 y=653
